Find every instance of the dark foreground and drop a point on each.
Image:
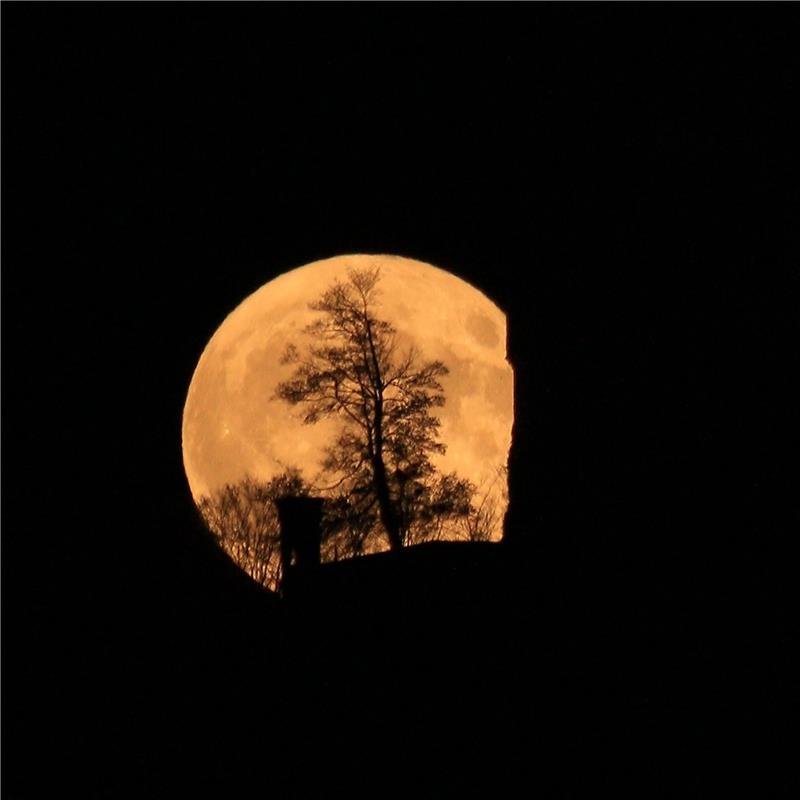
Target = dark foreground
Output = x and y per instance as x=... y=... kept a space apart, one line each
x=445 y=670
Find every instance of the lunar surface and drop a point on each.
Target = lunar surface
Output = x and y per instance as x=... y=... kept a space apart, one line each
x=233 y=425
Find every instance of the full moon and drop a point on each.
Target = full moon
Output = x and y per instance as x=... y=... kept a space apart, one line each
x=234 y=425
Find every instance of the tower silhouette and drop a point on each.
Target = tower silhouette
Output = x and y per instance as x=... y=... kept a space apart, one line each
x=301 y=532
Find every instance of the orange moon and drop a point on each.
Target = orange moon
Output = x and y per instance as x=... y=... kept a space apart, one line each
x=233 y=426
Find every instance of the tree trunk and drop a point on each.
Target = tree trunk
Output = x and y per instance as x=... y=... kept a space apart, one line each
x=387 y=512
x=388 y=517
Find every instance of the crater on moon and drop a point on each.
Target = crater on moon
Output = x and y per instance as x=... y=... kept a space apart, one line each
x=483 y=329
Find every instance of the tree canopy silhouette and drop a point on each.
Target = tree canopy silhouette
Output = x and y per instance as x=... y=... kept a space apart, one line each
x=385 y=399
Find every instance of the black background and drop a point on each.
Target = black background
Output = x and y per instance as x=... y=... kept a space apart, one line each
x=619 y=179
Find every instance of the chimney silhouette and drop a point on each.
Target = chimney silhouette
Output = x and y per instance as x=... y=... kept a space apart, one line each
x=301 y=533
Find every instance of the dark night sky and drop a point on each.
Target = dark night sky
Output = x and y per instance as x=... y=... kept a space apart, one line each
x=620 y=179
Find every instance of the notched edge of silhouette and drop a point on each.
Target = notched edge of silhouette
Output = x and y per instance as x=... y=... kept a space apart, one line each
x=305 y=576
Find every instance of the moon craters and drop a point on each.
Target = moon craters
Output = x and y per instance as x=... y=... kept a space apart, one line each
x=483 y=330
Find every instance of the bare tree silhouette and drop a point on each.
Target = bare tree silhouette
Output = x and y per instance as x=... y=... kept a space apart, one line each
x=244 y=519
x=384 y=399
x=484 y=518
